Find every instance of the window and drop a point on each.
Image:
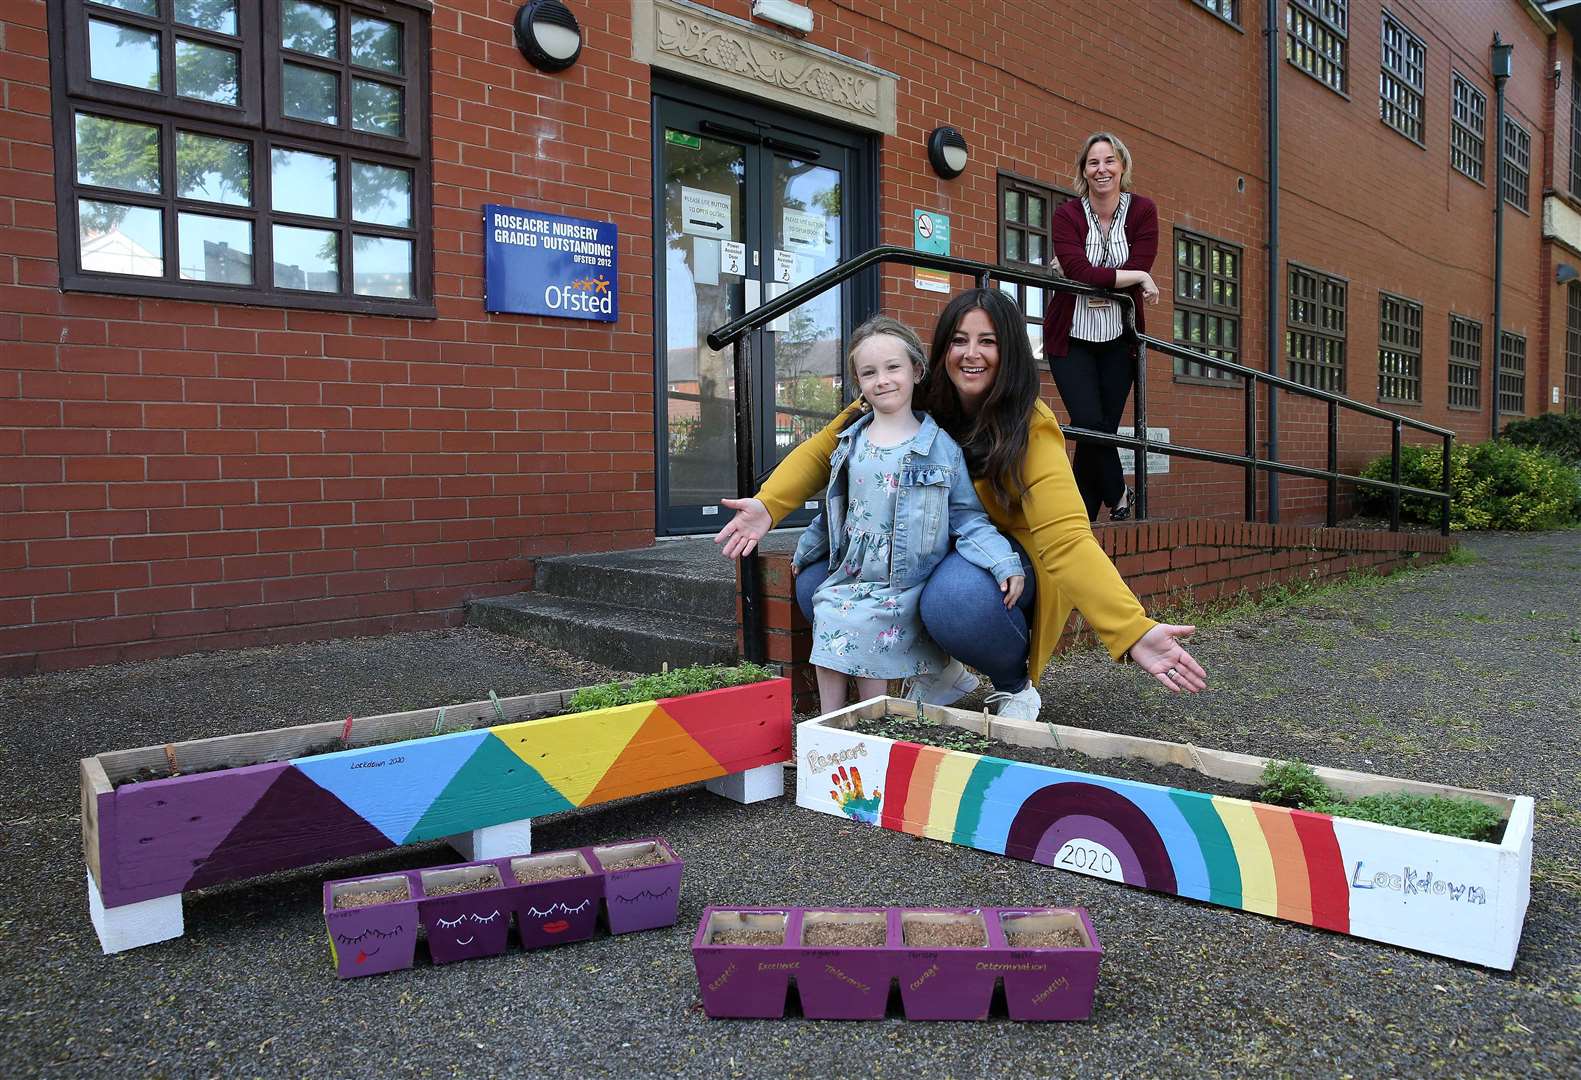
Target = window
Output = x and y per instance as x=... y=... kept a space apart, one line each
x=1207 y=303
x=1573 y=348
x=1512 y=373
x=1228 y=10
x=1465 y=363
x=1026 y=231
x=1468 y=122
x=1517 y=165
x=1402 y=80
x=258 y=151
x=1315 y=329
x=1399 y=349
x=1316 y=32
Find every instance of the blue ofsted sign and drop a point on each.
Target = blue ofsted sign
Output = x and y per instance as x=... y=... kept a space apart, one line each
x=548 y=264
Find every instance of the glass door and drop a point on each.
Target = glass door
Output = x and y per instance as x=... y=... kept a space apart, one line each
x=746 y=208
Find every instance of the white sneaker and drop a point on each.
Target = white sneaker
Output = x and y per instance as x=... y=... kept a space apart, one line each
x=944 y=688
x=1021 y=705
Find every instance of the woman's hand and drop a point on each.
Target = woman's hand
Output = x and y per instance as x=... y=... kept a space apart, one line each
x=1161 y=655
x=1149 y=289
x=1012 y=587
x=741 y=533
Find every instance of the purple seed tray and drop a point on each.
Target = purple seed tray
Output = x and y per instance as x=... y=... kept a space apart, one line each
x=381 y=937
x=937 y=982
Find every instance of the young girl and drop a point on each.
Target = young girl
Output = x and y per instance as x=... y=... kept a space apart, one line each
x=899 y=493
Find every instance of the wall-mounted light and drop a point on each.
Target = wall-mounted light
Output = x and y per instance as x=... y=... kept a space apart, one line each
x=1565 y=273
x=548 y=35
x=786 y=13
x=947 y=152
x=1503 y=66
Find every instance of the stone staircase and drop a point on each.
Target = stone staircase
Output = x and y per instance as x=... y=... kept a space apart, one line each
x=636 y=610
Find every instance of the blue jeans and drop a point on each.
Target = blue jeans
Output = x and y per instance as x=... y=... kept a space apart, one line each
x=964 y=611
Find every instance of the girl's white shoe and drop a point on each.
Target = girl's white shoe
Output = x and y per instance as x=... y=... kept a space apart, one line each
x=945 y=688
x=1021 y=705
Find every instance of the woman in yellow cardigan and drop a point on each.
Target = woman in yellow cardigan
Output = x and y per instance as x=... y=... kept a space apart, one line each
x=982 y=388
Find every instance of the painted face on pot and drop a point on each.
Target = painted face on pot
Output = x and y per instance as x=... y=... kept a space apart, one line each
x=464 y=928
x=972 y=362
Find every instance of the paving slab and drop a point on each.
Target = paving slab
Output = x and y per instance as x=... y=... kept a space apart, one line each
x=1468 y=673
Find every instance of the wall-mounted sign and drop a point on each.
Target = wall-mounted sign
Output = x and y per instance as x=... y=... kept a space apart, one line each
x=1156 y=463
x=548 y=264
x=930 y=232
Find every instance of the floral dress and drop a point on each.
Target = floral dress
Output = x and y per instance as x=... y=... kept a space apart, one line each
x=863 y=625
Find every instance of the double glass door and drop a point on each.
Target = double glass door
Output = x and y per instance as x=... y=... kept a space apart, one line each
x=746 y=208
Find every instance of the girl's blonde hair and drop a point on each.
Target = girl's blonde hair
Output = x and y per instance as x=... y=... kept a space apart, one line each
x=1080 y=183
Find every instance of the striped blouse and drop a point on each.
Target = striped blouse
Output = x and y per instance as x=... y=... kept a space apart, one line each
x=1098 y=318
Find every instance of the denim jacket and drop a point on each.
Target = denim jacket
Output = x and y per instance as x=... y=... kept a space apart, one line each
x=935 y=502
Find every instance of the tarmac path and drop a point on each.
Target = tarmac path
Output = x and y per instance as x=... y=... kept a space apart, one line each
x=1466 y=673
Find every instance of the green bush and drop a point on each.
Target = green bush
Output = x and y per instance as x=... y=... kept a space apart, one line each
x=1557 y=433
x=1290 y=783
x=686 y=680
x=1496 y=485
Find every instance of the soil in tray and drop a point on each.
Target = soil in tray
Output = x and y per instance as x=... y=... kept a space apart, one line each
x=1066 y=937
x=930 y=935
x=868 y=934
x=747 y=937
x=533 y=875
x=485 y=881
x=632 y=862
x=954 y=738
x=370 y=897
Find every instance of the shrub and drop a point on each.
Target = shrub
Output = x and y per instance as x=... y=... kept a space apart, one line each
x=1496 y=485
x=1557 y=433
x=1290 y=783
x=680 y=681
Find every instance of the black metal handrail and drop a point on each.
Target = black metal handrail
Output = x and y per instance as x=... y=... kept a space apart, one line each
x=735 y=333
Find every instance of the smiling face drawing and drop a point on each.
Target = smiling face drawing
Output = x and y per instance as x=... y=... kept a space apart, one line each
x=369 y=943
x=466 y=935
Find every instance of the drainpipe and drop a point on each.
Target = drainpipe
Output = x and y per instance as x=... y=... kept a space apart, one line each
x=1275 y=346
x=1501 y=73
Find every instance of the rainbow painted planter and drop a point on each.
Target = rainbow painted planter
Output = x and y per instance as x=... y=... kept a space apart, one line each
x=225 y=819
x=936 y=982
x=379 y=937
x=1458 y=898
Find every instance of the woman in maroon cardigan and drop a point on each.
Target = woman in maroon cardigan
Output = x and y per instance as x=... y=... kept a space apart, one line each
x=1108 y=237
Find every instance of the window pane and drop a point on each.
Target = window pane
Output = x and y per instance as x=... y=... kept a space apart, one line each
x=216 y=15
x=381 y=195
x=1034 y=304
x=381 y=266
x=206 y=72
x=123 y=54
x=304 y=183
x=141 y=7
x=118 y=154
x=1035 y=249
x=375 y=107
x=306 y=259
x=213 y=169
x=376 y=44
x=310 y=94
x=117 y=239
x=1035 y=211
x=215 y=248
x=1013 y=206
x=1012 y=245
x=308 y=28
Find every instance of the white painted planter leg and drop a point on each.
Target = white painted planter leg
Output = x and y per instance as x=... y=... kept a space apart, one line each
x=494 y=841
x=753 y=785
x=131 y=925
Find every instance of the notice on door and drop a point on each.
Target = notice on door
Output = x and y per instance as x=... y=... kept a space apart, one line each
x=707 y=213
x=805 y=232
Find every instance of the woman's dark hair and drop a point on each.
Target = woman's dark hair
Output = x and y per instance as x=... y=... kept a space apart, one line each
x=995 y=438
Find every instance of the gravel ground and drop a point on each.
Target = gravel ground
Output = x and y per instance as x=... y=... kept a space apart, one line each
x=1464 y=673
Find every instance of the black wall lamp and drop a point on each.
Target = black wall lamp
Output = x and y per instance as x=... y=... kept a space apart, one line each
x=548 y=35
x=947 y=152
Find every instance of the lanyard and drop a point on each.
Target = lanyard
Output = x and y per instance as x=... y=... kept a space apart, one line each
x=1104 y=234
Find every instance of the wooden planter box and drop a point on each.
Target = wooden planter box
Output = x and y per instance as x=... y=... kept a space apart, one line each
x=1458 y=898
x=147 y=842
x=853 y=982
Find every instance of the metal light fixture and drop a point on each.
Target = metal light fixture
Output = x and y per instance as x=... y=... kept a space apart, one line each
x=1503 y=65
x=548 y=35
x=786 y=13
x=947 y=152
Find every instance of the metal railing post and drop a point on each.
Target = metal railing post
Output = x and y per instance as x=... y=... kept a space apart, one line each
x=1250 y=424
x=1449 y=496
x=1139 y=425
x=1394 y=478
x=752 y=645
x=1333 y=463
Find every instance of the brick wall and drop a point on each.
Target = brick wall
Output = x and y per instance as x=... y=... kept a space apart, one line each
x=178 y=475
x=1200 y=560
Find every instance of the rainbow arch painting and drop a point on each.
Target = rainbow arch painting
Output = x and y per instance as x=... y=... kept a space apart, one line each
x=163 y=837
x=1439 y=894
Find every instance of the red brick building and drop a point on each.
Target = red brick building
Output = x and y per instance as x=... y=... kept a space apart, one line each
x=251 y=388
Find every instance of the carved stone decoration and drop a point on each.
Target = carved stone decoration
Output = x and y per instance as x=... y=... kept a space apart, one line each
x=690 y=39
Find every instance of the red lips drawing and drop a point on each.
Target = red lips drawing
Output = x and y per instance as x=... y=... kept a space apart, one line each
x=559 y=926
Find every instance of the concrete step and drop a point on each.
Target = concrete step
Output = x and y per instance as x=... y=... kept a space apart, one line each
x=616 y=635
x=680 y=582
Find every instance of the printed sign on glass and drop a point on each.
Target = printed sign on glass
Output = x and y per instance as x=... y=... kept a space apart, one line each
x=548 y=264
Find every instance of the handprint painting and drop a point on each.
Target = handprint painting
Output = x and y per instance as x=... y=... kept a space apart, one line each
x=847 y=795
